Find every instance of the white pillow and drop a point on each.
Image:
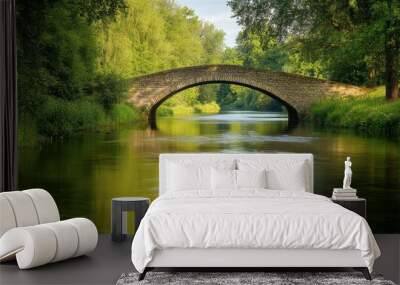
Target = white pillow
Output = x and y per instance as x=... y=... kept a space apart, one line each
x=251 y=178
x=181 y=177
x=193 y=174
x=223 y=179
x=282 y=174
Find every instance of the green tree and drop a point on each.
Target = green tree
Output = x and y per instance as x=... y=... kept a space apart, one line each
x=329 y=29
x=56 y=49
x=255 y=53
x=232 y=56
x=74 y=55
x=251 y=51
x=225 y=96
x=96 y=10
x=213 y=43
x=208 y=93
x=149 y=36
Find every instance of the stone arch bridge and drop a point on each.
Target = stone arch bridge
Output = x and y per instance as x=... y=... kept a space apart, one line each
x=297 y=93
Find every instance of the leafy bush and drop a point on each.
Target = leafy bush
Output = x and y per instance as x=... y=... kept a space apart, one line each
x=55 y=120
x=164 y=111
x=108 y=90
x=61 y=118
x=123 y=113
x=208 y=108
x=182 y=110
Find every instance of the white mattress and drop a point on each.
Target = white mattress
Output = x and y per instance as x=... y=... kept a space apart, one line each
x=253 y=219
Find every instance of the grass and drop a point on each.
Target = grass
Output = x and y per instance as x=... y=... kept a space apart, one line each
x=369 y=114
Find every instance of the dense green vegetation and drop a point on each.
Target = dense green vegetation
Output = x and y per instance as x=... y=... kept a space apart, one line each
x=58 y=82
x=73 y=57
x=252 y=51
x=369 y=114
x=349 y=41
x=356 y=42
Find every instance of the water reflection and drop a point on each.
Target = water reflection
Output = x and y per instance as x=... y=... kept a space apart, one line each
x=242 y=116
x=84 y=173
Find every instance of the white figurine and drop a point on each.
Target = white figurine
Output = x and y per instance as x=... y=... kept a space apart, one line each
x=347 y=174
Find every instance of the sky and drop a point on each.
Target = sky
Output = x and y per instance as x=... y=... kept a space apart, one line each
x=218 y=13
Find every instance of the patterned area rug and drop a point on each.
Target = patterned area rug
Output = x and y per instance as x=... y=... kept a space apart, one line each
x=244 y=278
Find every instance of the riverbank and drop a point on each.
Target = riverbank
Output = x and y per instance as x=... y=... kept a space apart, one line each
x=60 y=119
x=186 y=110
x=370 y=114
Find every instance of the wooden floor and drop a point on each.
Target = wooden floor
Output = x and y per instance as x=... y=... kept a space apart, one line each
x=110 y=260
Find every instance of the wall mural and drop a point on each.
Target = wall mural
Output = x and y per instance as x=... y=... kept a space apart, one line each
x=84 y=139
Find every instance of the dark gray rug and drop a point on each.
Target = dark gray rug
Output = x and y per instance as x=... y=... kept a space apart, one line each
x=236 y=278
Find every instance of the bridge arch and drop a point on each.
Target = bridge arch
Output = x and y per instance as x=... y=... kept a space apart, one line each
x=293 y=116
x=297 y=93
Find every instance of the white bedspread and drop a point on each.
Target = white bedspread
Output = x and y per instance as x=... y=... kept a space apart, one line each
x=250 y=219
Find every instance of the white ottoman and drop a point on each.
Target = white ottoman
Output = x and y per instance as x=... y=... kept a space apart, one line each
x=31 y=232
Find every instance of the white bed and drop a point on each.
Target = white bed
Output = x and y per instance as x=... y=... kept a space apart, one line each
x=280 y=225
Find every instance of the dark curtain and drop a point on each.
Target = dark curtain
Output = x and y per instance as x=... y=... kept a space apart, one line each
x=8 y=97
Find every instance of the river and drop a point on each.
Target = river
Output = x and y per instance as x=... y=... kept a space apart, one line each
x=85 y=172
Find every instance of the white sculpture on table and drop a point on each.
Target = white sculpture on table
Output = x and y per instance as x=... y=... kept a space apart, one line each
x=347 y=174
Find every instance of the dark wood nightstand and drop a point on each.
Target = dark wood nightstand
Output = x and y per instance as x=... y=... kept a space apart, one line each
x=120 y=206
x=357 y=205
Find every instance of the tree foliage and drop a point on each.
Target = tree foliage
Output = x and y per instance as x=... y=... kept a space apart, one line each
x=96 y=10
x=149 y=36
x=73 y=56
x=350 y=39
x=251 y=52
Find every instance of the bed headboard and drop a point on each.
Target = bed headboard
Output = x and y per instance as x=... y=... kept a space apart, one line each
x=201 y=157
